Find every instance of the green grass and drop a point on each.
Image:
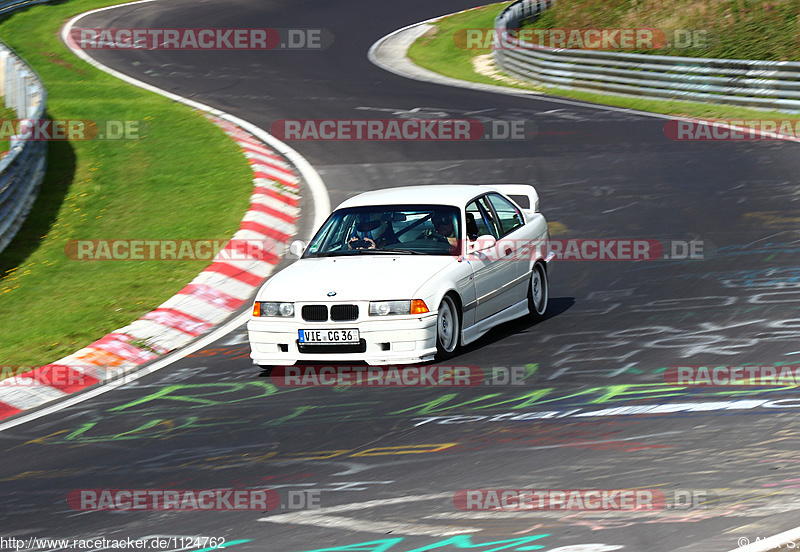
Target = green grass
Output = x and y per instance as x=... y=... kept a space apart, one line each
x=437 y=50
x=185 y=180
x=6 y=114
x=731 y=29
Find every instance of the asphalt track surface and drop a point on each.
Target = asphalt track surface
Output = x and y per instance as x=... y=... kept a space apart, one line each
x=210 y=421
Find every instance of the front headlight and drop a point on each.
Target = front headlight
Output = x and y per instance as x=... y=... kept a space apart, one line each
x=271 y=308
x=386 y=308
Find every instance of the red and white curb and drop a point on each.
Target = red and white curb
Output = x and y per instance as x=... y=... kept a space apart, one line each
x=205 y=302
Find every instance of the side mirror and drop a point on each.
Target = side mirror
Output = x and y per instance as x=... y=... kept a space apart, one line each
x=481 y=244
x=297 y=248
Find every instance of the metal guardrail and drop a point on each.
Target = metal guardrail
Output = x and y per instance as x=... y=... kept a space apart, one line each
x=765 y=84
x=10 y=5
x=22 y=169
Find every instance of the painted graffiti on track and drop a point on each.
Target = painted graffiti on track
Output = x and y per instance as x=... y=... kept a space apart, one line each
x=178 y=410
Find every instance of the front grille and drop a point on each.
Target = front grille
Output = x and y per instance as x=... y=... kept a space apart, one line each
x=331 y=348
x=315 y=313
x=344 y=313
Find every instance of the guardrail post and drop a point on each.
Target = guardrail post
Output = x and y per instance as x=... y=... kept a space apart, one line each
x=22 y=97
x=9 y=87
x=3 y=65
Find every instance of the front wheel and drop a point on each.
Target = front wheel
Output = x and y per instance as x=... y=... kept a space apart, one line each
x=448 y=328
x=538 y=292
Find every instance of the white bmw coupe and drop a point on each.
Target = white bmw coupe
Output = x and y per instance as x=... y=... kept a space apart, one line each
x=406 y=275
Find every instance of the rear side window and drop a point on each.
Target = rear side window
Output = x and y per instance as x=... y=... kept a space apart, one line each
x=508 y=215
x=484 y=223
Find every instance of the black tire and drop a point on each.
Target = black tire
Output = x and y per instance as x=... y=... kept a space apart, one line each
x=266 y=370
x=448 y=328
x=538 y=292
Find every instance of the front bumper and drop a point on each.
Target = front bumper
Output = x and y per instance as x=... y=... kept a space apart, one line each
x=384 y=340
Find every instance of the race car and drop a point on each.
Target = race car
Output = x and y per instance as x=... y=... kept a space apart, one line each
x=406 y=275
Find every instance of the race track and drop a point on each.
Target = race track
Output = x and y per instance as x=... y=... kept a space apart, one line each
x=212 y=421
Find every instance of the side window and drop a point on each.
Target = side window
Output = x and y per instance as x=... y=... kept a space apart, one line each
x=480 y=220
x=509 y=216
x=476 y=225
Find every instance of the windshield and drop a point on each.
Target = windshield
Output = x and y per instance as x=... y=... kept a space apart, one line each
x=400 y=229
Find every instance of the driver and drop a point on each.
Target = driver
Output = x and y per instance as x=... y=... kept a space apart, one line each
x=444 y=226
x=371 y=234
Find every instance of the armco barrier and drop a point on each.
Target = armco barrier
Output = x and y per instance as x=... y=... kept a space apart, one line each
x=22 y=169
x=11 y=5
x=765 y=84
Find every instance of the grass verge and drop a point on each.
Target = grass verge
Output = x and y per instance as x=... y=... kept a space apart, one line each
x=184 y=180
x=437 y=50
x=7 y=115
x=727 y=29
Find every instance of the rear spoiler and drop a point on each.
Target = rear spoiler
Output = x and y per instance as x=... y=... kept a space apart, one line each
x=523 y=195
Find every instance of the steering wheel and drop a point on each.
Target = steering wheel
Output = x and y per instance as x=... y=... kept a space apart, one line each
x=361 y=243
x=435 y=236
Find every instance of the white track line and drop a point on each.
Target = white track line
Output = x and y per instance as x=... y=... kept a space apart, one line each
x=321 y=518
x=322 y=204
x=318 y=190
x=776 y=542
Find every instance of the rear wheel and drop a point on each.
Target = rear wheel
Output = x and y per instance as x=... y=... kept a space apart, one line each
x=538 y=292
x=448 y=328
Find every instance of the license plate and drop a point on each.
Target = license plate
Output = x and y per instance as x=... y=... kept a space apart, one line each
x=328 y=336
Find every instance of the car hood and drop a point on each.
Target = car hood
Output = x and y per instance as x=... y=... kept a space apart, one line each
x=353 y=278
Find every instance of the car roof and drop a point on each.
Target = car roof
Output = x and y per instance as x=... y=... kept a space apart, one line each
x=436 y=194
